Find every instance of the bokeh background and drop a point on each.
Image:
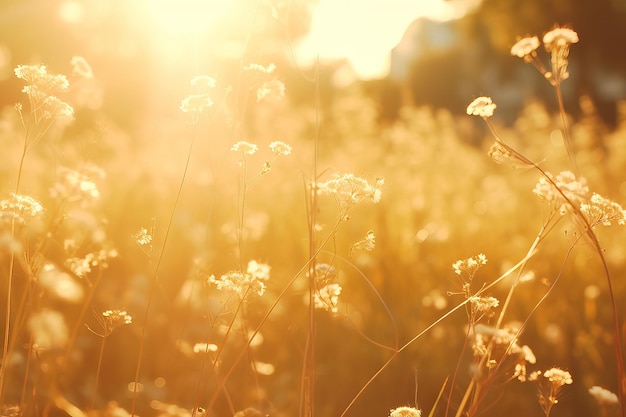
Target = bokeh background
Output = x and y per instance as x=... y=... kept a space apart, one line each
x=403 y=118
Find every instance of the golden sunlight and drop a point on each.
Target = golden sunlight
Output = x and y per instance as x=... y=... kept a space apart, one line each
x=180 y=17
x=364 y=32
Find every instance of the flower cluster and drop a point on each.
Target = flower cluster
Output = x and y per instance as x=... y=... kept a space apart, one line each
x=112 y=319
x=20 y=208
x=246 y=148
x=405 y=412
x=78 y=186
x=481 y=106
x=41 y=89
x=601 y=210
x=575 y=189
x=195 y=104
x=368 y=243
x=143 y=237
x=327 y=290
x=242 y=283
x=603 y=396
x=504 y=344
x=350 y=190
x=469 y=265
x=83 y=266
x=327 y=297
x=550 y=385
x=557 y=42
x=280 y=148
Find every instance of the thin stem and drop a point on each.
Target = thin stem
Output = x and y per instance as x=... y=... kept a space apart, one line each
x=95 y=385
x=567 y=140
x=155 y=275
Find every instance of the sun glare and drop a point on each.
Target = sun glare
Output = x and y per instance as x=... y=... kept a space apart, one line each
x=180 y=17
x=364 y=32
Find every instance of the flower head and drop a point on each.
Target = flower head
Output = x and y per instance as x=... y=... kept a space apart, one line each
x=266 y=69
x=327 y=297
x=575 y=189
x=405 y=412
x=469 y=265
x=350 y=190
x=39 y=80
x=203 y=83
x=557 y=42
x=603 y=396
x=143 y=237
x=525 y=46
x=242 y=283
x=196 y=103
x=245 y=147
x=280 y=148
x=22 y=208
x=481 y=106
x=550 y=385
x=601 y=210
x=112 y=319
x=559 y=37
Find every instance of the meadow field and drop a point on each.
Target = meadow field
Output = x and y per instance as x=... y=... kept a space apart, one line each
x=214 y=247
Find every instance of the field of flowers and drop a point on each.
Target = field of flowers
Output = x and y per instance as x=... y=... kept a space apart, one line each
x=228 y=252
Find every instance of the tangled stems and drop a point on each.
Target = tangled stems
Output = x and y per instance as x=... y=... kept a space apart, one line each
x=595 y=243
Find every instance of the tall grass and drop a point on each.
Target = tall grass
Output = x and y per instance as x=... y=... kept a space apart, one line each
x=283 y=262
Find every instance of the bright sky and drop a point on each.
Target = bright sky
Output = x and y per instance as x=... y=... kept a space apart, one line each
x=365 y=31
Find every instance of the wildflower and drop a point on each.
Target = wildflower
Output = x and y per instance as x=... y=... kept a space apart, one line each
x=22 y=208
x=258 y=270
x=575 y=190
x=368 y=243
x=112 y=319
x=81 y=68
x=557 y=42
x=483 y=304
x=245 y=147
x=39 y=80
x=603 y=396
x=481 y=106
x=601 y=210
x=405 y=412
x=30 y=73
x=350 y=190
x=83 y=266
x=525 y=47
x=559 y=37
x=78 y=185
x=261 y=68
x=241 y=283
x=327 y=297
x=280 y=148
x=498 y=153
x=54 y=108
x=325 y=273
x=142 y=237
x=550 y=386
x=469 y=265
x=203 y=83
x=196 y=103
x=273 y=89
